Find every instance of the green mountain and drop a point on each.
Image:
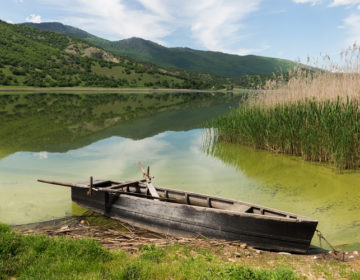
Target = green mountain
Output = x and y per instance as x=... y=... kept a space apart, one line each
x=217 y=63
x=33 y=57
x=67 y=30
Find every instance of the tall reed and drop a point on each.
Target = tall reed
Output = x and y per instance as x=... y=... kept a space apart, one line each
x=327 y=131
x=312 y=112
x=324 y=79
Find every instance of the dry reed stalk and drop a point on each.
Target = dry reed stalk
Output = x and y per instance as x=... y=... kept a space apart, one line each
x=336 y=79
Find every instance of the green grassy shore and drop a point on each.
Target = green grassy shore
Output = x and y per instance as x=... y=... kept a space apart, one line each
x=42 y=257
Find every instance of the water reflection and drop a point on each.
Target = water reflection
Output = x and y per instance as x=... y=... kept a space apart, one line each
x=172 y=144
x=55 y=149
x=177 y=161
x=61 y=122
x=175 y=158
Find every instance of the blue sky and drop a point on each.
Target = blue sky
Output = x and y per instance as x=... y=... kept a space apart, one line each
x=292 y=29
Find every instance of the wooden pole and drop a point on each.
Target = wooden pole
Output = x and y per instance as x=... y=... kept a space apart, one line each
x=150 y=186
x=90 y=186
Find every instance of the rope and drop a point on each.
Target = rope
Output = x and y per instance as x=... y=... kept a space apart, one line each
x=322 y=237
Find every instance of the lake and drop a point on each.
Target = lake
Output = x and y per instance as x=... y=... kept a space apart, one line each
x=70 y=138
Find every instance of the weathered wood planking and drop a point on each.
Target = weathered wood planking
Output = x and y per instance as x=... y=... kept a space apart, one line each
x=189 y=214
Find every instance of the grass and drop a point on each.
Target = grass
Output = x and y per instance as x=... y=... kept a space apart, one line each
x=42 y=257
x=327 y=131
x=141 y=79
x=32 y=57
x=315 y=115
x=355 y=276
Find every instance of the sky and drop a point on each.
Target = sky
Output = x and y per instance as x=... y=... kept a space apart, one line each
x=290 y=29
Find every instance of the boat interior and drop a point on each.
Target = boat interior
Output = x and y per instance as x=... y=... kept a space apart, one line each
x=141 y=188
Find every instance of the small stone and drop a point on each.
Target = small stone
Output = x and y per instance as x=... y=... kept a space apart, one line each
x=82 y=222
x=330 y=252
x=356 y=253
x=346 y=253
x=237 y=254
x=315 y=257
x=243 y=245
x=258 y=252
x=351 y=257
x=284 y=253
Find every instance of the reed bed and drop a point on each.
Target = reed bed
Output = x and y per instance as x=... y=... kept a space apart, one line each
x=325 y=131
x=325 y=79
x=311 y=112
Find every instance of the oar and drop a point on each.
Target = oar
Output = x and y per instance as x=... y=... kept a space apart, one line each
x=147 y=177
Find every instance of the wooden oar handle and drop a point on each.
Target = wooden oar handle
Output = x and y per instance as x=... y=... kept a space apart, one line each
x=145 y=174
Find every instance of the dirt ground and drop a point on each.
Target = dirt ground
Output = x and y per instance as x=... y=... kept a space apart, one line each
x=113 y=235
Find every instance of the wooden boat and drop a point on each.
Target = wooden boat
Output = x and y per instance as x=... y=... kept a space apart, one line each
x=182 y=213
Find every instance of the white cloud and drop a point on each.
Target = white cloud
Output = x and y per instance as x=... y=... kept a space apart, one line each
x=42 y=155
x=9 y=21
x=114 y=154
x=18 y=1
x=217 y=25
x=214 y=24
x=352 y=22
x=312 y=2
x=246 y=51
x=344 y=2
x=33 y=18
x=334 y=3
x=352 y=25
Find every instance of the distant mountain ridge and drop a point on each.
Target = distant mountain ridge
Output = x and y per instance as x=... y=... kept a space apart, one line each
x=60 y=28
x=38 y=58
x=217 y=63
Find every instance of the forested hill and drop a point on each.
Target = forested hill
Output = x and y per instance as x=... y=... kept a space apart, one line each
x=216 y=63
x=32 y=57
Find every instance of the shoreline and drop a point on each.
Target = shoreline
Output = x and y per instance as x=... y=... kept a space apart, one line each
x=101 y=227
x=116 y=90
x=114 y=236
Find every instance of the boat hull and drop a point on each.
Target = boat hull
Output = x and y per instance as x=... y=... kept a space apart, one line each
x=264 y=232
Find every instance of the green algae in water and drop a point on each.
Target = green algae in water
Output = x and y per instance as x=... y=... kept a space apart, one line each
x=324 y=131
x=56 y=136
x=177 y=161
x=306 y=188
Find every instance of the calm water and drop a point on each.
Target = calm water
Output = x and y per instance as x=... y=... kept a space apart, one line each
x=172 y=144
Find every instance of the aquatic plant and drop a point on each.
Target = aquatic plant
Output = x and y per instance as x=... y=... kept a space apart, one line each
x=312 y=112
x=326 y=131
x=326 y=78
